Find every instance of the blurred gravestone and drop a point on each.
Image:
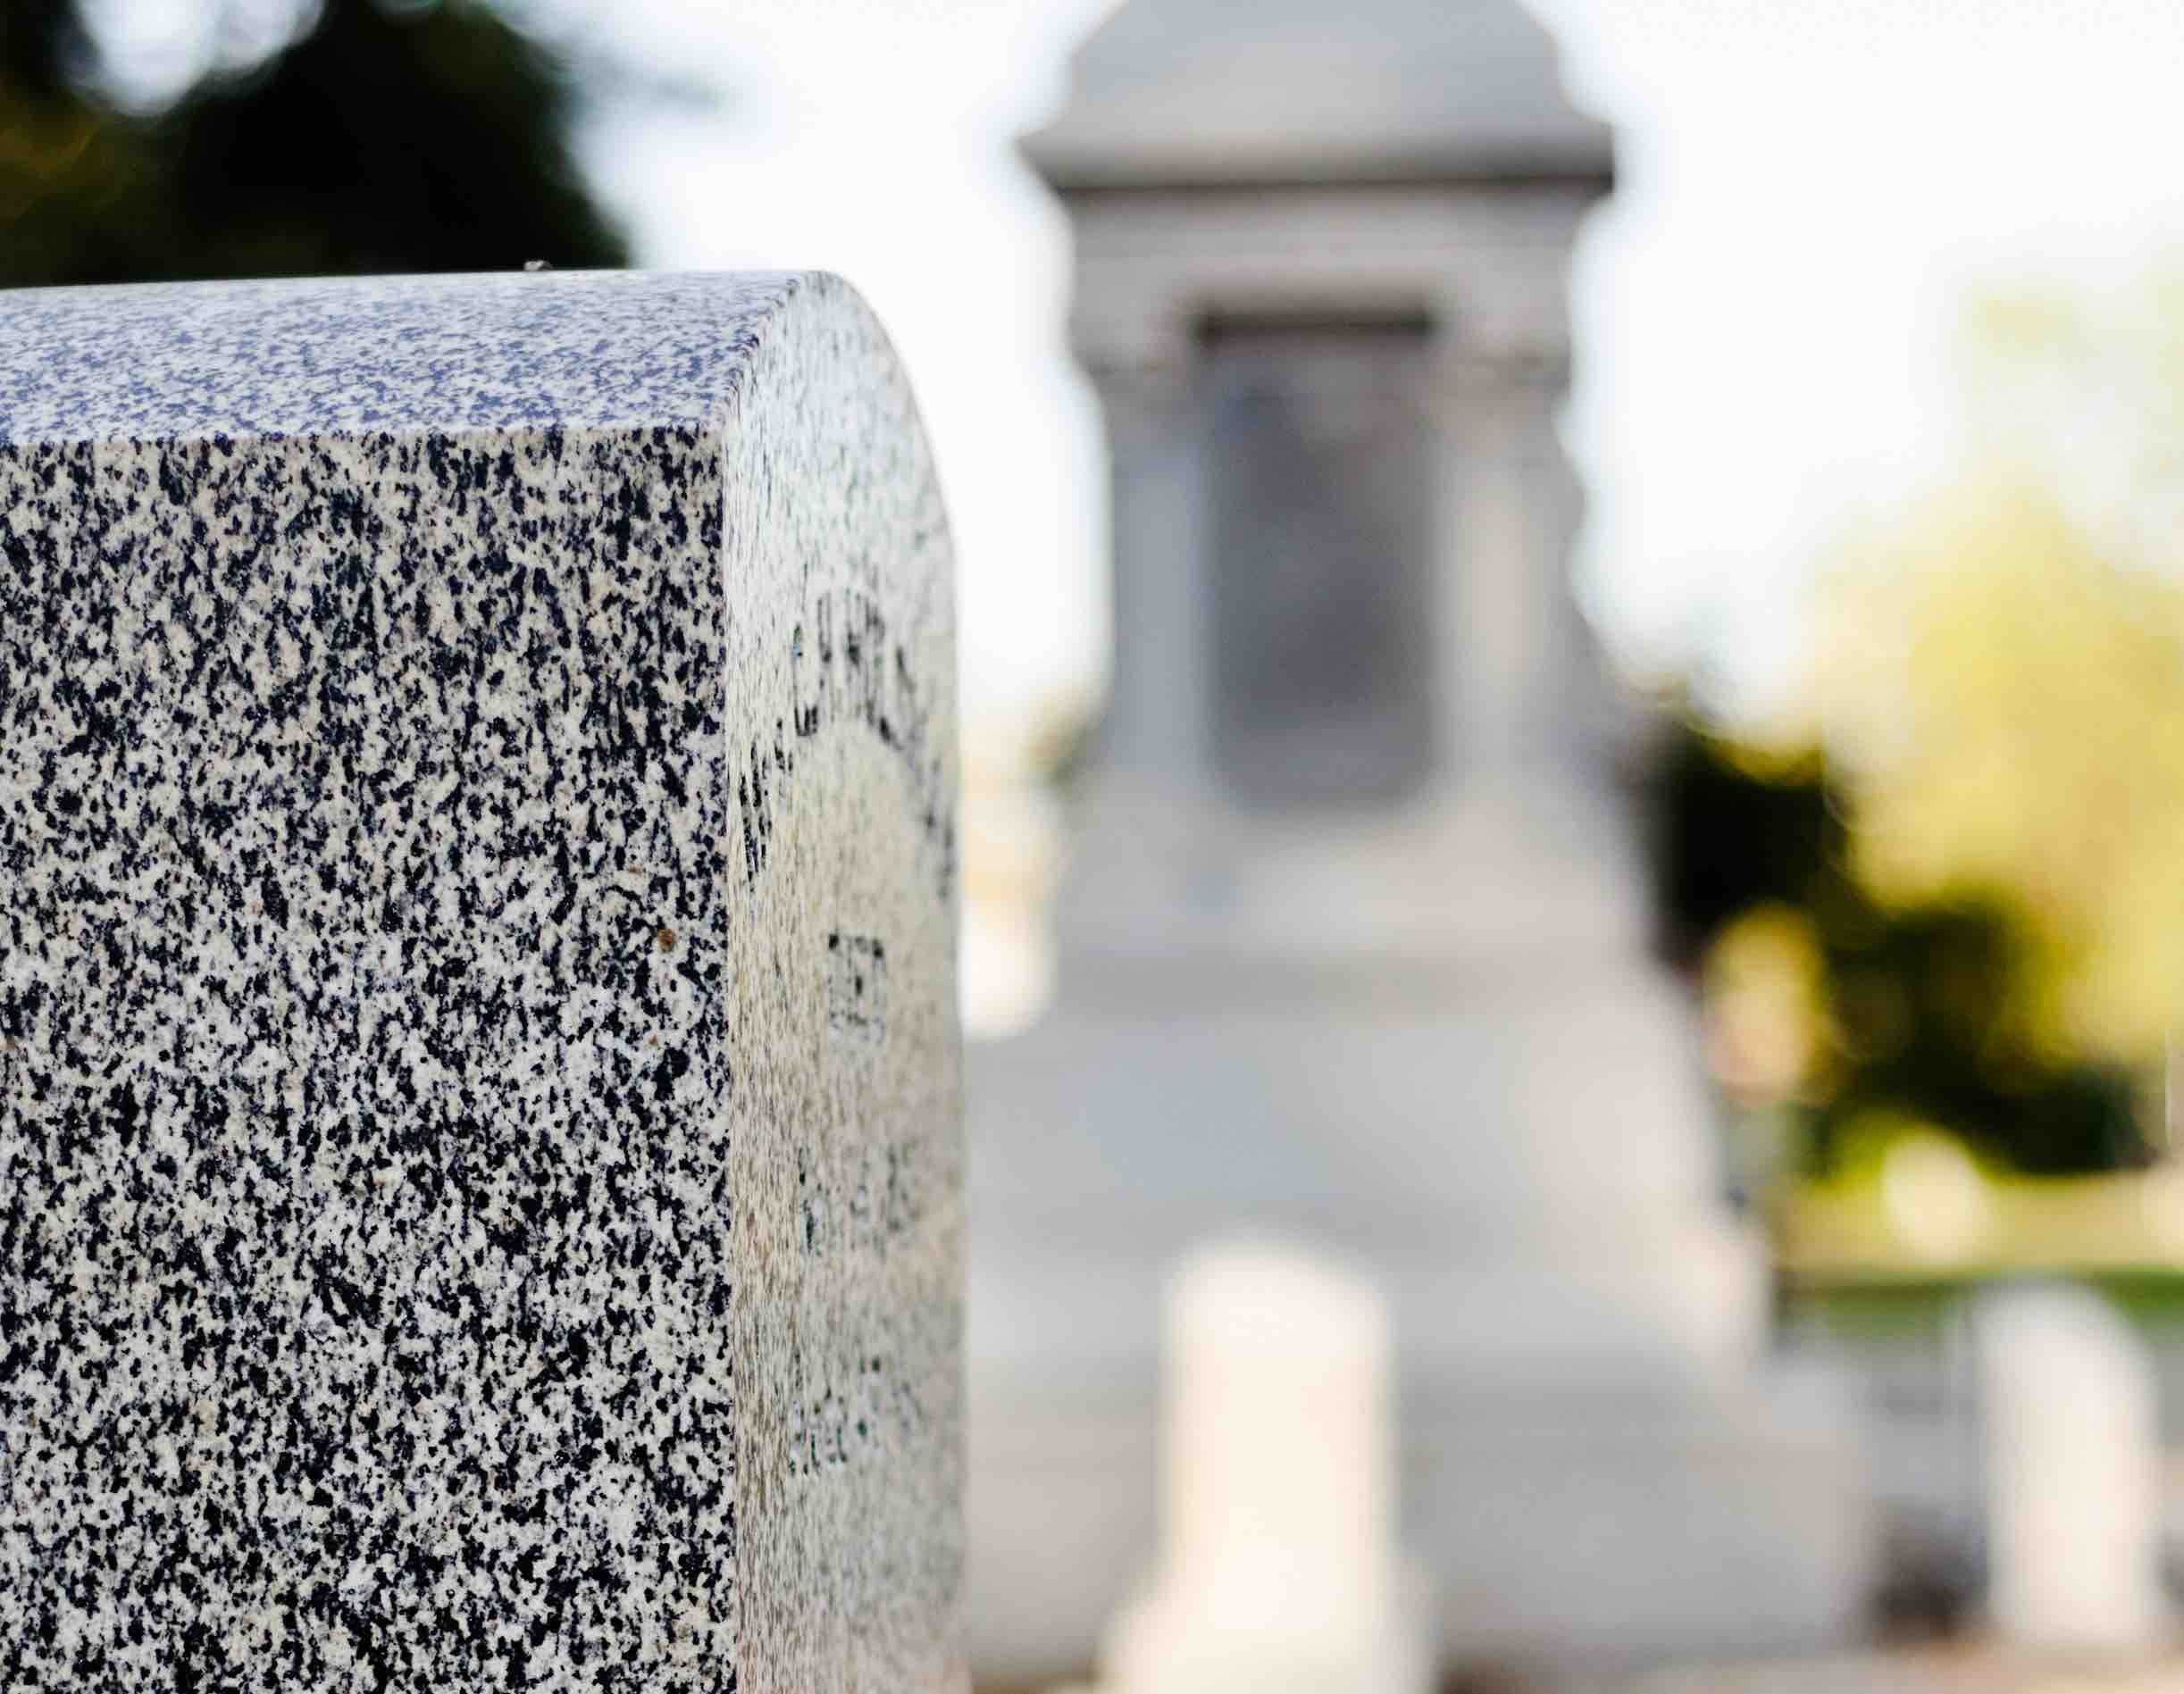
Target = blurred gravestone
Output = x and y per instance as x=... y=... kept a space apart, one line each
x=1277 y=1568
x=2075 y=1491
x=478 y=1160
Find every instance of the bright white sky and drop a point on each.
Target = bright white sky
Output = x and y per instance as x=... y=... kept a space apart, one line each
x=1765 y=314
x=1762 y=314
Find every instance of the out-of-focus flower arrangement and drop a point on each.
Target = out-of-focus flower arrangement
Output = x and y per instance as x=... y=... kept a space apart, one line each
x=1937 y=920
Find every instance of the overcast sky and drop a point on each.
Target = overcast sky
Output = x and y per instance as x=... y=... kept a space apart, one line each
x=1762 y=314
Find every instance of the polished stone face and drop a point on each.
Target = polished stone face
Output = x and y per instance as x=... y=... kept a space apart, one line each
x=478 y=1147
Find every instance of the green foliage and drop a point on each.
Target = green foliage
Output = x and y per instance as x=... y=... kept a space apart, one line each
x=1920 y=1013
x=1722 y=840
x=1969 y=920
x=419 y=137
x=1926 y=1026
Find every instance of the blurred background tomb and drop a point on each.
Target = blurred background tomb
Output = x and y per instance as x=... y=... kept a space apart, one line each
x=1354 y=939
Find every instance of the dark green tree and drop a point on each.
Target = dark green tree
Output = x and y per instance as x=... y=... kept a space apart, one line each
x=1922 y=998
x=387 y=138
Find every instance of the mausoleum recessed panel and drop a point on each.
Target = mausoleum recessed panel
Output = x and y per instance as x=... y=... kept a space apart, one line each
x=1319 y=491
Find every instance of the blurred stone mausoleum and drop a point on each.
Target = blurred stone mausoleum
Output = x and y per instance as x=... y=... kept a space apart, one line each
x=1352 y=942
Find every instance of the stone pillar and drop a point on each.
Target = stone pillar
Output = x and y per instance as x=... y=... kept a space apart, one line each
x=479 y=1147
x=1510 y=517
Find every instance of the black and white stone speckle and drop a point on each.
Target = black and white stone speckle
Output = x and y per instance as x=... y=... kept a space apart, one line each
x=478 y=1159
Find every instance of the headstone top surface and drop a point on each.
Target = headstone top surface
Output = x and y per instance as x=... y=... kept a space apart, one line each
x=313 y=356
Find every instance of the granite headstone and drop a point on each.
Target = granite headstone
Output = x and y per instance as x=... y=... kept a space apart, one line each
x=480 y=1163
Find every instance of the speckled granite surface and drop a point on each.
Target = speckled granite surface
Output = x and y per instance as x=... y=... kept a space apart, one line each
x=479 y=1152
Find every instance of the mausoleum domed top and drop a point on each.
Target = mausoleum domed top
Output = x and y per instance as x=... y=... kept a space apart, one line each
x=1219 y=92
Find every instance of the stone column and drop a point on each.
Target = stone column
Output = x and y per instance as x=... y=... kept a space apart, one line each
x=1507 y=555
x=479 y=1147
x=1508 y=521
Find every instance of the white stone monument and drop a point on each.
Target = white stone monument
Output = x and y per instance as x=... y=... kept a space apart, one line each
x=1277 y=1571
x=2074 y=1474
x=1354 y=940
x=479 y=1150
